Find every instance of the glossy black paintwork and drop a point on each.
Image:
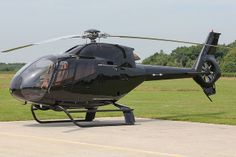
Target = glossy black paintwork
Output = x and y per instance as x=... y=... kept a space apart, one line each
x=100 y=73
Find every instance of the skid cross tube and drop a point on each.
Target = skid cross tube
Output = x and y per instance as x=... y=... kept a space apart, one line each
x=90 y=115
x=33 y=109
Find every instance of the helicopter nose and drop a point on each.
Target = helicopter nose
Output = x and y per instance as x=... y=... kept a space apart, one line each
x=19 y=90
x=17 y=93
x=15 y=87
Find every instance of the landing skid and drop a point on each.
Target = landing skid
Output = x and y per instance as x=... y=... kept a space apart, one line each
x=90 y=115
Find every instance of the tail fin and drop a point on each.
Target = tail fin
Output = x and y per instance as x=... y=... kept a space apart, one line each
x=207 y=65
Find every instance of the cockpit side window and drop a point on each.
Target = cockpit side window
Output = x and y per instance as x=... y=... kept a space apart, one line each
x=64 y=73
x=84 y=68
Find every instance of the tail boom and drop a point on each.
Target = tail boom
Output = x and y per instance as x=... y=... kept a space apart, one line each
x=166 y=72
x=205 y=71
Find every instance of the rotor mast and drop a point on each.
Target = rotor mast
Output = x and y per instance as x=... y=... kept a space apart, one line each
x=92 y=34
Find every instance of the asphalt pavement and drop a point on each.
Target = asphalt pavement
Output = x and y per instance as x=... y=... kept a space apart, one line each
x=147 y=138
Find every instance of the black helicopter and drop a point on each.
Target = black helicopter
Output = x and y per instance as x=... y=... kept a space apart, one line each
x=88 y=76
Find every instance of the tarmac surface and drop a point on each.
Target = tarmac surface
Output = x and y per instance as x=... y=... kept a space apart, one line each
x=148 y=138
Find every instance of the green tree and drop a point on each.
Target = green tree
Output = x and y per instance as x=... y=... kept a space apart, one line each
x=160 y=58
x=186 y=57
x=10 y=66
x=229 y=61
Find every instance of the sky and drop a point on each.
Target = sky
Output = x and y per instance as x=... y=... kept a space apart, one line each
x=29 y=21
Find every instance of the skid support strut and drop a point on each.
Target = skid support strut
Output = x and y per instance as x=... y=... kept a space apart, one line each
x=128 y=113
x=90 y=115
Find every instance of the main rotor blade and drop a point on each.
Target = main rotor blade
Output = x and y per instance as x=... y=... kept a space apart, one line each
x=162 y=39
x=42 y=42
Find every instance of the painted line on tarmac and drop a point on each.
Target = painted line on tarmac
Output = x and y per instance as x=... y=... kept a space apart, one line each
x=93 y=145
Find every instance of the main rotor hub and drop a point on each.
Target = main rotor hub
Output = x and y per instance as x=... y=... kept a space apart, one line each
x=92 y=34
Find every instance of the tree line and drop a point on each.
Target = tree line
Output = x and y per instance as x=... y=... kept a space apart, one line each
x=11 y=66
x=186 y=57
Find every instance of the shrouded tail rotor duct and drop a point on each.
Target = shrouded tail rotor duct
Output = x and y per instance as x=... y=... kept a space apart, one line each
x=210 y=72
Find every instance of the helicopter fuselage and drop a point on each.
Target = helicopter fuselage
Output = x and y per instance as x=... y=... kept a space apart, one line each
x=87 y=76
x=95 y=74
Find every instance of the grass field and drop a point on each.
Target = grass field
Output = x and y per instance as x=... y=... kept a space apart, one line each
x=172 y=99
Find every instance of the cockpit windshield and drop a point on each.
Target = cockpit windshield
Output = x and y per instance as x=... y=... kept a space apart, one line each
x=38 y=74
x=33 y=80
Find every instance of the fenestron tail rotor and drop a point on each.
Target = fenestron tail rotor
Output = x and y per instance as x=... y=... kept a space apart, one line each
x=94 y=34
x=208 y=72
